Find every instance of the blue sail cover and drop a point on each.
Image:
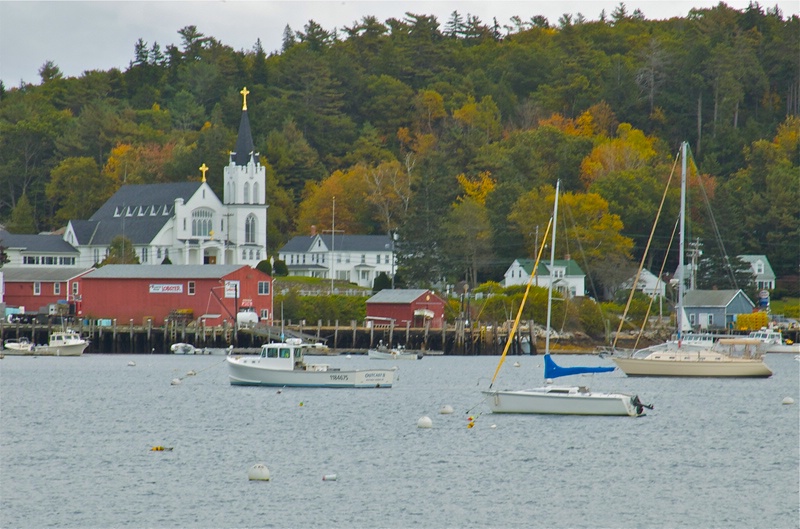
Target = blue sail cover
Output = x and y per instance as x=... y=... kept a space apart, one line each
x=553 y=370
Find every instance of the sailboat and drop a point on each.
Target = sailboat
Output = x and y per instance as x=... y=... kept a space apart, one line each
x=733 y=357
x=558 y=400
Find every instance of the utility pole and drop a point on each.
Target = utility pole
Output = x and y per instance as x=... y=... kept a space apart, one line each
x=333 y=232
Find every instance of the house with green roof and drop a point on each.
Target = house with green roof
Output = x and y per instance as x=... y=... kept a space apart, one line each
x=568 y=277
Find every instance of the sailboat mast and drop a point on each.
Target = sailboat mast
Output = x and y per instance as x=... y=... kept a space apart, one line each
x=552 y=270
x=681 y=271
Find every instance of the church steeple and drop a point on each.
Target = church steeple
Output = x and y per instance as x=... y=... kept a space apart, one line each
x=245 y=148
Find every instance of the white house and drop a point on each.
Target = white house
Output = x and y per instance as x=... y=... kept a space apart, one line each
x=186 y=221
x=765 y=277
x=357 y=259
x=568 y=276
x=648 y=284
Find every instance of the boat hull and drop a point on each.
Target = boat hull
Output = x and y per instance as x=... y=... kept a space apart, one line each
x=244 y=371
x=61 y=350
x=393 y=355
x=570 y=401
x=735 y=368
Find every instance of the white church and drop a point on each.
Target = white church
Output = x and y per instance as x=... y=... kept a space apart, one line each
x=185 y=222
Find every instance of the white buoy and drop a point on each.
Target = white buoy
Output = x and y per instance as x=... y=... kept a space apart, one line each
x=446 y=409
x=131 y=363
x=348 y=356
x=516 y=364
x=493 y=426
x=176 y=382
x=329 y=477
x=424 y=422
x=788 y=400
x=191 y=373
x=258 y=472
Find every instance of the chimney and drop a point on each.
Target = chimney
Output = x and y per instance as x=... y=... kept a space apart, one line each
x=313 y=230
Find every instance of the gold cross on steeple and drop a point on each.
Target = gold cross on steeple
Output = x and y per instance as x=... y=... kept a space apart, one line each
x=244 y=93
x=204 y=168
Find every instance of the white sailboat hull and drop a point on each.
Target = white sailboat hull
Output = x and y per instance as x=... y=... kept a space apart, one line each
x=559 y=400
x=252 y=371
x=693 y=367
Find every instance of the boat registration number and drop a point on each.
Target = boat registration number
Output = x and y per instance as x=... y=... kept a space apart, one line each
x=339 y=377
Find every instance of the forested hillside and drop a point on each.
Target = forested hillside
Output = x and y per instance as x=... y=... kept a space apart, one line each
x=450 y=133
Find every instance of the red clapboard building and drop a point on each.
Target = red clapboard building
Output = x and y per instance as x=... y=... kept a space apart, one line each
x=404 y=306
x=142 y=292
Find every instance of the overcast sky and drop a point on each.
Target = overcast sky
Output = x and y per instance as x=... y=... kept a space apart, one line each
x=100 y=35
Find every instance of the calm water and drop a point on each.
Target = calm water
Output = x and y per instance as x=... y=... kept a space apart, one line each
x=76 y=435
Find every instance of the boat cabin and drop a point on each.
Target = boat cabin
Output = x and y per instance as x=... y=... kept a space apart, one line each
x=287 y=355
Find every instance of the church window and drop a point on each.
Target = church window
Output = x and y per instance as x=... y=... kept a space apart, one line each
x=255 y=193
x=201 y=222
x=204 y=193
x=258 y=254
x=158 y=252
x=251 y=255
x=246 y=193
x=250 y=229
x=166 y=253
x=244 y=254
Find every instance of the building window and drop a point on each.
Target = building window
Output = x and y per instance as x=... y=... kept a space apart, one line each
x=251 y=255
x=255 y=193
x=190 y=288
x=759 y=267
x=377 y=259
x=37 y=288
x=56 y=288
x=258 y=254
x=363 y=259
x=158 y=252
x=246 y=193
x=691 y=319
x=97 y=255
x=710 y=320
x=166 y=253
x=250 y=226
x=74 y=289
x=244 y=255
x=201 y=223
x=144 y=254
x=263 y=288
x=264 y=314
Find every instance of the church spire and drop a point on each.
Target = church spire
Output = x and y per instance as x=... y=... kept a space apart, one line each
x=245 y=148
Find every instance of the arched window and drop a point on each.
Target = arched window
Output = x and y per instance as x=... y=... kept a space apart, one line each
x=201 y=222
x=246 y=193
x=244 y=255
x=251 y=255
x=250 y=226
x=255 y=193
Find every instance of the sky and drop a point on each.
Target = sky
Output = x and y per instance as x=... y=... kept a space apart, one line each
x=100 y=35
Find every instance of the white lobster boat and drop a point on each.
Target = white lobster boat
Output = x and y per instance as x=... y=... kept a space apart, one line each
x=395 y=353
x=63 y=343
x=283 y=365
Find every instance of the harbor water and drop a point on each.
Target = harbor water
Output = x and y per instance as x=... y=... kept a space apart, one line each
x=77 y=438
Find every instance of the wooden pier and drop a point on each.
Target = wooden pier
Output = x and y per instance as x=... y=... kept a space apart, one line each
x=126 y=338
